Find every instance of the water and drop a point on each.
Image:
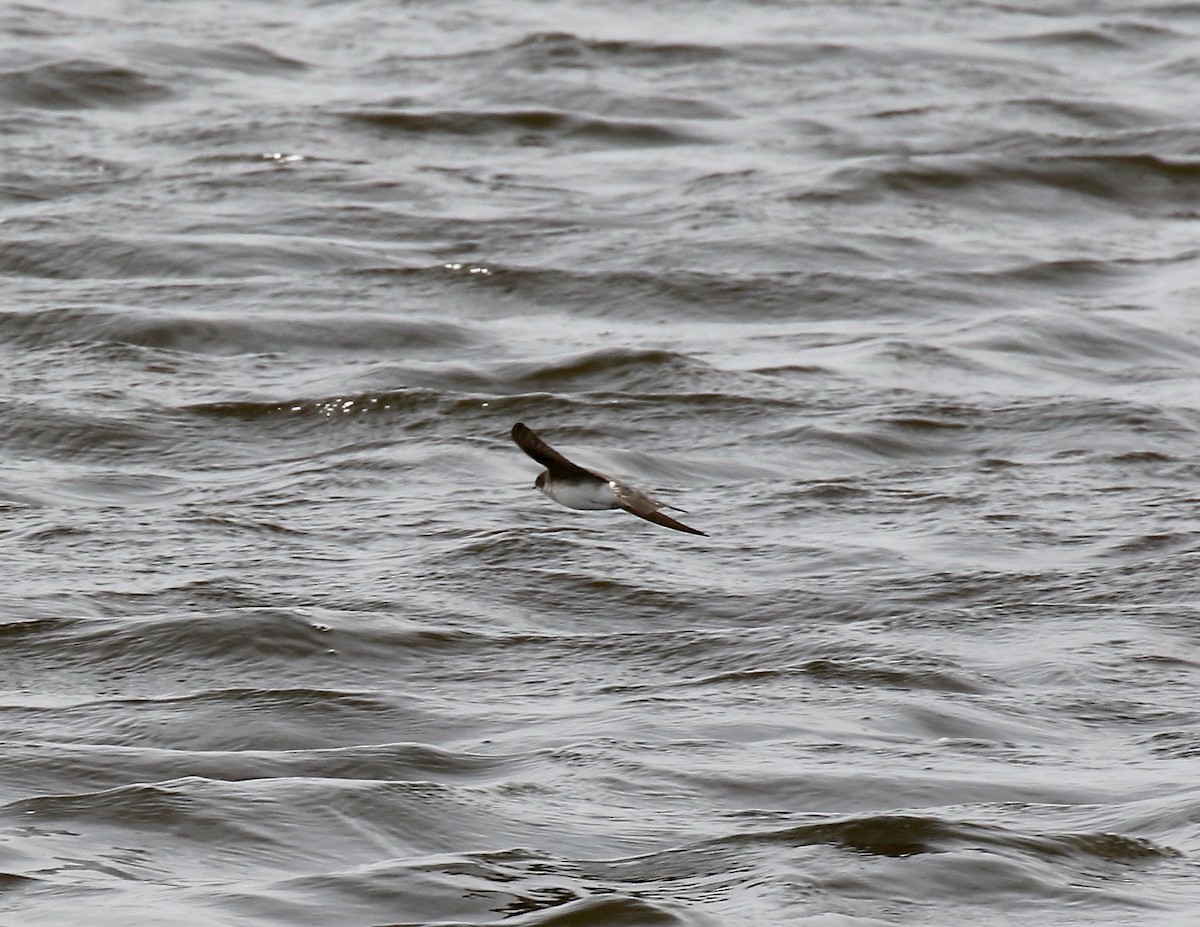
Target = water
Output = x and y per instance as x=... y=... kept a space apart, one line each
x=895 y=299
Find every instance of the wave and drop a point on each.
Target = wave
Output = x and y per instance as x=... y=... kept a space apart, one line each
x=696 y=883
x=545 y=49
x=524 y=126
x=237 y=57
x=1140 y=181
x=36 y=768
x=904 y=835
x=1105 y=37
x=637 y=293
x=180 y=255
x=63 y=435
x=79 y=84
x=218 y=333
x=510 y=887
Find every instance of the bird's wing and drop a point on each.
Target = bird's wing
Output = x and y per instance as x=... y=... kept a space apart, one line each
x=547 y=456
x=636 y=502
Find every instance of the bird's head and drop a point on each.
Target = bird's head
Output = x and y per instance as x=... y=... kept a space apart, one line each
x=540 y=482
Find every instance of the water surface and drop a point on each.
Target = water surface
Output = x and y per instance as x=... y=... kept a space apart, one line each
x=897 y=301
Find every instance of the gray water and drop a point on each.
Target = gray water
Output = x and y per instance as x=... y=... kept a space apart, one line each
x=897 y=300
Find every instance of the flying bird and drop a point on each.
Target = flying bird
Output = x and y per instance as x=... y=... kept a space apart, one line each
x=577 y=487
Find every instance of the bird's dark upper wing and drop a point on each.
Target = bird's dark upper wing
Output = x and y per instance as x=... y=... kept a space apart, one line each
x=638 y=503
x=547 y=456
x=668 y=522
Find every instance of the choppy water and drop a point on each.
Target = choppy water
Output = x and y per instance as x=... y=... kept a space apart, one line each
x=898 y=300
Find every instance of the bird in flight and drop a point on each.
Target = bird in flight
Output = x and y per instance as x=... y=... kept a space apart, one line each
x=576 y=487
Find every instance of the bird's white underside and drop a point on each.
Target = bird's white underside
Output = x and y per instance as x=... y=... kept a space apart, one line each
x=582 y=495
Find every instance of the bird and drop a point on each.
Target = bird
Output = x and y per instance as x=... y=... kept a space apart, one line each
x=577 y=487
